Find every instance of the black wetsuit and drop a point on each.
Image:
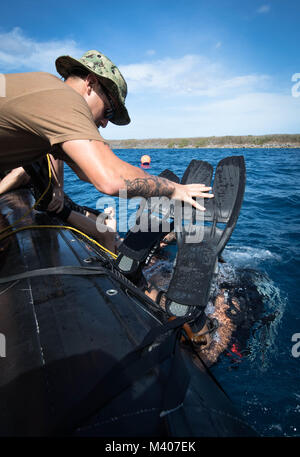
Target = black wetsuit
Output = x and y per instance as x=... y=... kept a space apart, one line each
x=38 y=172
x=69 y=206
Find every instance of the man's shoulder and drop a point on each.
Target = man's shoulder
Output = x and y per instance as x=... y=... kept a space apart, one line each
x=19 y=84
x=42 y=86
x=45 y=77
x=48 y=82
x=36 y=76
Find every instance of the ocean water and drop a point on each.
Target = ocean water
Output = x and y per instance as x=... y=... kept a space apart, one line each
x=262 y=266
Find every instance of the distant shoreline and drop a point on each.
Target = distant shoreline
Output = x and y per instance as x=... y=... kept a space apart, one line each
x=249 y=141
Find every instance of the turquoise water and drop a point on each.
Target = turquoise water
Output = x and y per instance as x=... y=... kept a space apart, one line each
x=263 y=260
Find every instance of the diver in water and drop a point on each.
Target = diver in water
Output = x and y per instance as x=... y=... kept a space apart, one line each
x=236 y=304
x=199 y=248
x=215 y=337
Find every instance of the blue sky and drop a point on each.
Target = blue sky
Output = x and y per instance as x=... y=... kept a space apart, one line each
x=193 y=67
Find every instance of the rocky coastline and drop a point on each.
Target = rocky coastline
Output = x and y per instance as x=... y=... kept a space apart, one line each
x=242 y=142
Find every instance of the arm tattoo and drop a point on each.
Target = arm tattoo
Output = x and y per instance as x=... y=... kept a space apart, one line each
x=149 y=187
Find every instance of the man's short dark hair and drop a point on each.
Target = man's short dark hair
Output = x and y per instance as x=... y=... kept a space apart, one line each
x=81 y=73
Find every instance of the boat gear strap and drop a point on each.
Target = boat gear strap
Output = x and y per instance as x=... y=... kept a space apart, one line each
x=63 y=214
x=177 y=383
x=96 y=212
x=197 y=340
x=200 y=340
x=84 y=209
x=200 y=319
x=159 y=296
x=189 y=333
x=161 y=343
x=64 y=270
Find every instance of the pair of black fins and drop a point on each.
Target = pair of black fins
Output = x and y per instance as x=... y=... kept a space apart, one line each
x=197 y=257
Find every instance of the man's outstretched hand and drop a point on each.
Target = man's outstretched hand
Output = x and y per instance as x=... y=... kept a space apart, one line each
x=186 y=192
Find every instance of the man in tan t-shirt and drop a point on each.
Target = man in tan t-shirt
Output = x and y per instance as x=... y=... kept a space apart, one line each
x=41 y=114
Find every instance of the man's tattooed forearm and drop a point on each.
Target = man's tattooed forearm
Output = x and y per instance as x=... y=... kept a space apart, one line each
x=149 y=187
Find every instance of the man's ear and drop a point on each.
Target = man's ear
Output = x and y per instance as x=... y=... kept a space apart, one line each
x=91 y=79
x=90 y=82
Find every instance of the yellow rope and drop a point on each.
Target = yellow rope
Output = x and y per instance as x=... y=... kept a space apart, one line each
x=63 y=227
x=49 y=226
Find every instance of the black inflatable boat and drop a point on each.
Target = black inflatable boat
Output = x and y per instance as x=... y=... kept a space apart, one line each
x=86 y=353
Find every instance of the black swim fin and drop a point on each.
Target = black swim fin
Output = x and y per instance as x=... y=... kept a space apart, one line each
x=198 y=171
x=139 y=244
x=190 y=285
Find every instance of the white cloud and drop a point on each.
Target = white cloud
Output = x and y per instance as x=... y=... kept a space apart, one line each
x=218 y=44
x=254 y=113
x=19 y=52
x=203 y=96
x=263 y=9
x=191 y=74
x=150 y=52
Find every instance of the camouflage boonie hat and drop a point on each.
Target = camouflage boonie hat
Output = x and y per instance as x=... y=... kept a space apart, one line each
x=108 y=74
